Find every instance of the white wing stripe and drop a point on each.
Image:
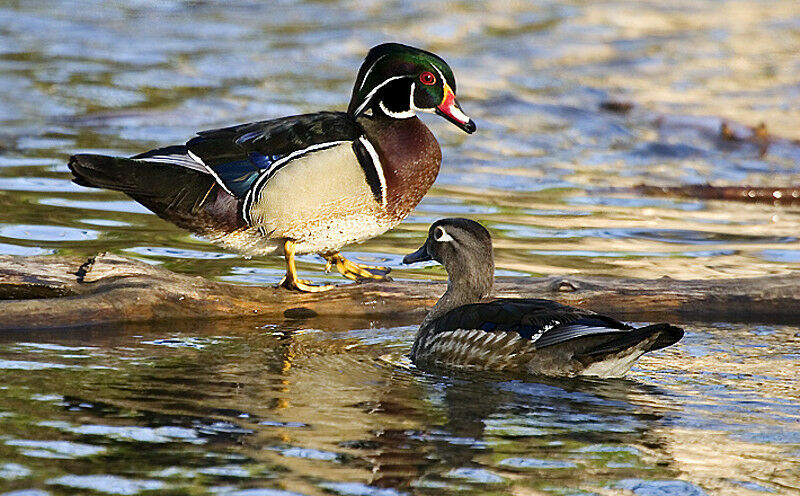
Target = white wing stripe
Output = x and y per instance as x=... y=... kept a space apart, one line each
x=210 y=171
x=264 y=176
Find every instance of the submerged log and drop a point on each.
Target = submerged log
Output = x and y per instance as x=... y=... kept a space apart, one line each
x=721 y=133
x=58 y=292
x=751 y=194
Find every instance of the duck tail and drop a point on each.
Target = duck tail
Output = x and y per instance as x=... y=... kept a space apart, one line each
x=188 y=197
x=100 y=171
x=667 y=335
x=658 y=335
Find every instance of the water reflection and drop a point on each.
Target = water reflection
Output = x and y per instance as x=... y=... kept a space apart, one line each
x=333 y=406
x=548 y=148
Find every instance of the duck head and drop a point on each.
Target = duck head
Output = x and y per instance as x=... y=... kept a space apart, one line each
x=464 y=248
x=398 y=81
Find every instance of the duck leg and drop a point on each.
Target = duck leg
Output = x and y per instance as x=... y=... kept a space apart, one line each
x=290 y=280
x=353 y=270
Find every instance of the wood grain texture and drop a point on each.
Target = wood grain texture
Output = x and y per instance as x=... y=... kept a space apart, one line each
x=60 y=292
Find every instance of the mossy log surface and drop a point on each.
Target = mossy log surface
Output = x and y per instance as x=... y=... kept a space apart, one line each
x=59 y=292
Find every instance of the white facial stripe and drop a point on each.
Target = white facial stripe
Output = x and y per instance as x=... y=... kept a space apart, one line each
x=210 y=171
x=441 y=235
x=372 y=93
x=376 y=161
x=366 y=75
x=440 y=74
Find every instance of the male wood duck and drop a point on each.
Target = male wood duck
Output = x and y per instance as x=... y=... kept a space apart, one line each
x=532 y=336
x=302 y=184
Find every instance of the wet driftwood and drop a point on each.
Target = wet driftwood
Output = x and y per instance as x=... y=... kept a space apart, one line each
x=751 y=194
x=50 y=292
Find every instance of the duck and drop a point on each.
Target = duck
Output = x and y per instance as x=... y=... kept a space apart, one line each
x=465 y=330
x=303 y=184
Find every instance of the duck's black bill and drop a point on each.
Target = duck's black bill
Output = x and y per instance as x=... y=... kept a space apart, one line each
x=420 y=255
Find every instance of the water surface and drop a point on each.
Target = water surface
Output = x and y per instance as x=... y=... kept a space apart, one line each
x=332 y=407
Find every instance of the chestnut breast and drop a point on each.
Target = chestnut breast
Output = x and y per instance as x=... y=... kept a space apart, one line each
x=410 y=158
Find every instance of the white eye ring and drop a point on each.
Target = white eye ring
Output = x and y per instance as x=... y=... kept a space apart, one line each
x=440 y=235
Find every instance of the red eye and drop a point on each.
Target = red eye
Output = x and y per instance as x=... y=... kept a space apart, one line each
x=427 y=78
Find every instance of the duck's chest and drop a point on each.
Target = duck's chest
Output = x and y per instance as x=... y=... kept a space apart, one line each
x=408 y=156
x=349 y=192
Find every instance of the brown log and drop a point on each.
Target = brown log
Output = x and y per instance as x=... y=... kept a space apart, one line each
x=57 y=292
x=752 y=194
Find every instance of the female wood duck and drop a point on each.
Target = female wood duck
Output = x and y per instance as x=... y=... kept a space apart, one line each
x=302 y=184
x=519 y=335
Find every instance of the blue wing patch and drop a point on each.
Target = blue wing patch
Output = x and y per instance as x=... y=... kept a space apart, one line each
x=243 y=157
x=239 y=175
x=489 y=326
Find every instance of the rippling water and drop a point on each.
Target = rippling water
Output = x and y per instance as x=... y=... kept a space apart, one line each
x=312 y=410
x=228 y=408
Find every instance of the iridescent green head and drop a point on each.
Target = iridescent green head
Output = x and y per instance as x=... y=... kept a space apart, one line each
x=398 y=80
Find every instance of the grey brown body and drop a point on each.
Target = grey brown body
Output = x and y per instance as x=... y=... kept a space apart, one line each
x=467 y=331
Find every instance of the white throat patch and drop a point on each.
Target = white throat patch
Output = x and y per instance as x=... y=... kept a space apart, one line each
x=397 y=115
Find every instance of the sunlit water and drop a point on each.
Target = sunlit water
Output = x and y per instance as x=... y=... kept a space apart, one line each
x=325 y=407
x=334 y=408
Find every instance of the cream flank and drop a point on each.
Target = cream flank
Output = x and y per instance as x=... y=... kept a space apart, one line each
x=330 y=207
x=266 y=174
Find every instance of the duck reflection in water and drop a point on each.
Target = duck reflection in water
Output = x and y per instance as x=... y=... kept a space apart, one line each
x=479 y=426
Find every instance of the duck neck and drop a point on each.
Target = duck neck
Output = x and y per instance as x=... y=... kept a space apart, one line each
x=462 y=289
x=458 y=294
